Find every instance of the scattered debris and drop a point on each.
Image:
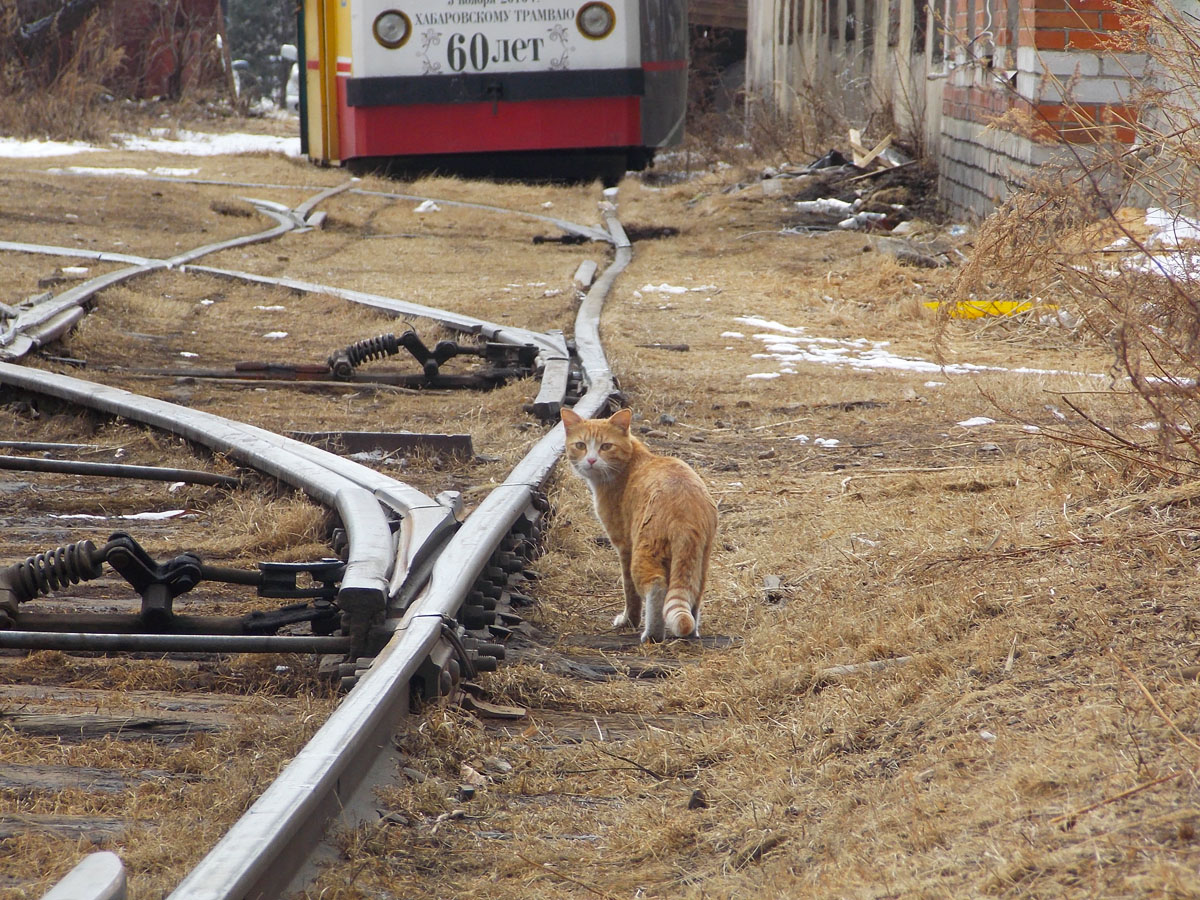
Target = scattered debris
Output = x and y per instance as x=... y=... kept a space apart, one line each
x=772 y=589
x=678 y=348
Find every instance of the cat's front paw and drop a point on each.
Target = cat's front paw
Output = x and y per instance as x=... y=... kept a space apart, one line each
x=621 y=621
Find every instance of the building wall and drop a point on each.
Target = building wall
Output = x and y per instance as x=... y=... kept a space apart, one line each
x=986 y=87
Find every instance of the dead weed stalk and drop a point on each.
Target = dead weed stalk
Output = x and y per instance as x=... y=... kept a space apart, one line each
x=1105 y=244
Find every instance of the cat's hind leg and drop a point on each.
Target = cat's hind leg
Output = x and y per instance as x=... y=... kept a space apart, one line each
x=632 y=616
x=656 y=626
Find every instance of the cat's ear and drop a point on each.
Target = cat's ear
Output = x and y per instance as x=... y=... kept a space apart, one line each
x=622 y=419
x=570 y=417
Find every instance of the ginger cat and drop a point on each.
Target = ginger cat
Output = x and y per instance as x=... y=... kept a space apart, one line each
x=658 y=515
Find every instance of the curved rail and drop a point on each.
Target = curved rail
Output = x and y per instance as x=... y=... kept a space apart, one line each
x=265 y=849
x=281 y=818
x=34 y=327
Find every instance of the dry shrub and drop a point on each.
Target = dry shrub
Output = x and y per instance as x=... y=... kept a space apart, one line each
x=54 y=89
x=1076 y=239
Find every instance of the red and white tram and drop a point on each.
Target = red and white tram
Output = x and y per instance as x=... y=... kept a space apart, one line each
x=568 y=84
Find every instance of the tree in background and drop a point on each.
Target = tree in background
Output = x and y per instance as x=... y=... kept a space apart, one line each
x=256 y=30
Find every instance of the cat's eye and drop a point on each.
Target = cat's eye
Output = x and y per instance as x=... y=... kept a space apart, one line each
x=580 y=445
x=606 y=446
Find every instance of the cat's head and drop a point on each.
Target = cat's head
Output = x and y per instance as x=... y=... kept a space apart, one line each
x=598 y=449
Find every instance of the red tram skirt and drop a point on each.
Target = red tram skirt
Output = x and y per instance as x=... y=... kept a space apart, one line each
x=483 y=127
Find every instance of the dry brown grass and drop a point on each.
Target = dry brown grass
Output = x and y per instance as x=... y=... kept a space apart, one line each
x=1012 y=756
x=1008 y=567
x=1073 y=242
x=55 y=90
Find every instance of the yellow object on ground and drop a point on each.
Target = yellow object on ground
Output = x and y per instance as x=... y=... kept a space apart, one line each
x=977 y=309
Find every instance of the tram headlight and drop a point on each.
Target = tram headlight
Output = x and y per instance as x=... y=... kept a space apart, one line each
x=595 y=20
x=392 y=28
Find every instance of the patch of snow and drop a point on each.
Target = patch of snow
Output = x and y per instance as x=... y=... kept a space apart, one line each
x=187 y=354
x=427 y=206
x=169 y=172
x=194 y=143
x=145 y=516
x=275 y=335
x=860 y=220
x=793 y=345
x=826 y=442
x=275 y=308
x=826 y=206
x=732 y=334
x=107 y=171
x=665 y=288
x=1169 y=228
x=976 y=421
x=14 y=148
x=764 y=376
x=74 y=270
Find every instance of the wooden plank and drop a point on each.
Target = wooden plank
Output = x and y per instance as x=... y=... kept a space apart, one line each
x=387 y=441
x=95 y=829
x=90 y=727
x=28 y=778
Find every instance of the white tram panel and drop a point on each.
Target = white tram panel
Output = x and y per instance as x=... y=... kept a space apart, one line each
x=461 y=37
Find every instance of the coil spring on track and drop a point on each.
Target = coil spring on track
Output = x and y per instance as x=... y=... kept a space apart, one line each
x=373 y=348
x=57 y=568
x=344 y=362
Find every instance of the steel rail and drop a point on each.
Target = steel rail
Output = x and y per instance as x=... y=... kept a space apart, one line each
x=260 y=854
x=99 y=876
x=509 y=334
x=33 y=327
x=114 y=470
x=173 y=643
x=584 y=231
x=264 y=850
x=343 y=484
x=552 y=349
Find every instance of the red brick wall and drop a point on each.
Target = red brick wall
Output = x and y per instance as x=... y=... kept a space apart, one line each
x=1056 y=27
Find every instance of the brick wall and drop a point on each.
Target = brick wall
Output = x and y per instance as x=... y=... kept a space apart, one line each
x=1057 y=62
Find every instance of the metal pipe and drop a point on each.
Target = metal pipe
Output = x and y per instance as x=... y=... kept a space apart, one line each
x=114 y=470
x=172 y=643
x=27 y=446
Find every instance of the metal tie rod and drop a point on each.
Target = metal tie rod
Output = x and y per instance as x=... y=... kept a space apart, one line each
x=173 y=643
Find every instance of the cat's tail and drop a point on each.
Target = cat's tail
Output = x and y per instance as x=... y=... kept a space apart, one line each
x=677 y=613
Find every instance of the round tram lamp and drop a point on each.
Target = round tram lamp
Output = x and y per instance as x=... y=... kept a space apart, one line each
x=595 y=20
x=392 y=28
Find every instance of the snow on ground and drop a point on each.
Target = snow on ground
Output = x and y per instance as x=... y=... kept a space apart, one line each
x=14 y=148
x=143 y=516
x=161 y=140
x=193 y=143
x=788 y=345
x=1169 y=231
